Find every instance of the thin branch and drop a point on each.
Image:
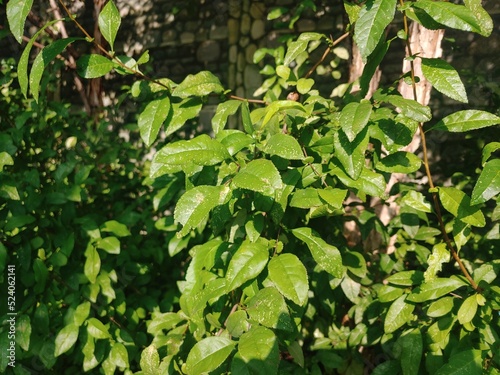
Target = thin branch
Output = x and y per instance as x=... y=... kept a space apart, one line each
x=327 y=51
x=257 y=101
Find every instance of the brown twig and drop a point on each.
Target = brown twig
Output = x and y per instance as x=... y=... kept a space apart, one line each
x=327 y=51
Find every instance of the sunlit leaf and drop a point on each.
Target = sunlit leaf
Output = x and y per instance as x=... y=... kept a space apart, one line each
x=17 y=11
x=109 y=21
x=152 y=117
x=458 y=204
x=268 y=308
x=289 y=276
x=259 y=175
x=354 y=117
x=400 y=312
x=258 y=352
x=65 y=339
x=488 y=183
x=200 y=84
x=444 y=78
x=464 y=362
x=463 y=121
x=208 y=354
x=285 y=146
x=93 y=66
x=224 y=110
x=434 y=289
x=399 y=162
x=247 y=263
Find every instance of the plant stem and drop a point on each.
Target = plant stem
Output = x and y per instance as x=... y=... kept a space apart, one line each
x=327 y=51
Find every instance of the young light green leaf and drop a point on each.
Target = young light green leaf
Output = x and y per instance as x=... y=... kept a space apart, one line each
x=258 y=351
x=181 y=113
x=444 y=78
x=195 y=205
x=97 y=329
x=458 y=204
x=280 y=105
x=110 y=245
x=115 y=227
x=440 y=255
x=200 y=84
x=93 y=66
x=5 y=159
x=150 y=361
x=224 y=110
x=371 y=24
x=463 y=121
x=354 y=117
x=23 y=331
x=434 y=289
x=109 y=22
x=17 y=11
x=268 y=308
x=285 y=146
x=259 y=175
x=199 y=151
x=246 y=264
x=152 y=117
x=119 y=355
x=482 y=17
x=467 y=310
x=304 y=85
x=294 y=49
x=399 y=162
x=400 y=312
x=488 y=183
x=452 y=15
x=489 y=149
x=289 y=276
x=81 y=313
x=92 y=263
x=65 y=339
x=417 y=201
x=469 y=362
x=327 y=256
x=411 y=351
x=208 y=354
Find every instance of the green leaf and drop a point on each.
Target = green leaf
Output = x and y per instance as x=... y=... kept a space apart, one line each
x=208 y=354
x=268 y=308
x=97 y=329
x=467 y=310
x=181 y=113
x=119 y=355
x=444 y=78
x=354 y=117
x=285 y=146
x=110 y=245
x=468 y=362
x=482 y=17
x=440 y=307
x=327 y=256
x=195 y=205
x=259 y=175
x=5 y=159
x=258 y=351
x=93 y=66
x=489 y=149
x=440 y=255
x=150 y=361
x=246 y=264
x=399 y=162
x=246 y=119
x=411 y=351
x=351 y=154
x=458 y=204
x=488 y=183
x=289 y=276
x=92 y=264
x=109 y=22
x=372 y=64
x=417 y=201
x=23 y=332
x=294 y=49
x=43 y=59
x=452 y=15
x=373 y=18
x=199 y=151
x=17 y=11
x=434 y=289
x=115 y=227
x=152 y=117
x=463 y=121
x=333 y=197
x=200 y=84
x=224 y=110
x=234 y=140
x=406 y=278
x=400 y=312
x=280 y=105
x=81 y=313
x=304 y=85
x=410 y=108
x=65 y=339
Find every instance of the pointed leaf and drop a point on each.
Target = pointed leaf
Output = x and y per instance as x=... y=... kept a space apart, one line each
x=224 y=110
x=406 y=278
x=488 y=183
x=109 y=22
x=327 y=256
x=280 y=105
x=234 y=140
x=410 y=108
x=467 y=362
x=208 y=354
x=17 y=11
x=411 y=352
x=434 y=289
x=354 y=117
x=467 y=120
x=110 y=245
x=398 y=314
x=200 y=84
x=152 y=117
x=97 y=329
x=150 y=361
x=399 y=162
x=371 y=24
x=285 y=146
x=93 y=66
x=119 y=355
x=181 y=113
x=482 y=17
x=304 y=85
x=258 y=350
x=467 y=310
x=458 y=204
x=246 y=264
x=268 y=308
x=65 y=339
x=444 y=78
x=259 y=175
x=351 y=154
x=440 y=255
x=289 y=276
x=92 y=264
x=440 y=307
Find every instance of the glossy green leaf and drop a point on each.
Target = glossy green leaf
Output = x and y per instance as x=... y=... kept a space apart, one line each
x=417 y=201
x=482 y=17
x=97 y=329
x=354 y=117
x=488 y=183
x=289 y=276
x=452 y=15
x=458 y=204
x=152 y=117
x=467 y=310
x=285 y=146
x=463 y=121
x=410 y=108
x=246 y=264
x=278 y=106
x=306 y=198
x=406 y=278
x=268 y=308
x=195 y=205
x=115 y=227
x=351 y=289
x=150 y=361
x=411 y=351
x=399 y=162
x=119 y=355
x=81 y=313
x=440 y=307
x=258 y=351
x=372 y=64
x=351 y=154
x=400 y=312
x=224 y=110
x=109 y=21
x=17 y=11
x=65 y=339
x=388 y=293
x=434 y=289
x=327 y=256
x=93 y=66
x=444 y=78
x=181 y=114
x=246 y=119
x=200 y=84
x=333 y=197
x=489 y=149
x=5 y=159
x=237 y=323
x=92 y=264
x=468 y=362
x=440 y=254
x=234 y=140
x=259 y=175
x=42 y=60
x=199 y=151
x=208 y=354
x=294 y=50
x=304 y=85
x=110 y=245
x=374 y=17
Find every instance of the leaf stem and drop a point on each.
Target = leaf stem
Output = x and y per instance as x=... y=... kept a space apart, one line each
x=327 y=51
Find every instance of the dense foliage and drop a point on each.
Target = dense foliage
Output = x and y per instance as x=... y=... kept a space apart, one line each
x=234 y=251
